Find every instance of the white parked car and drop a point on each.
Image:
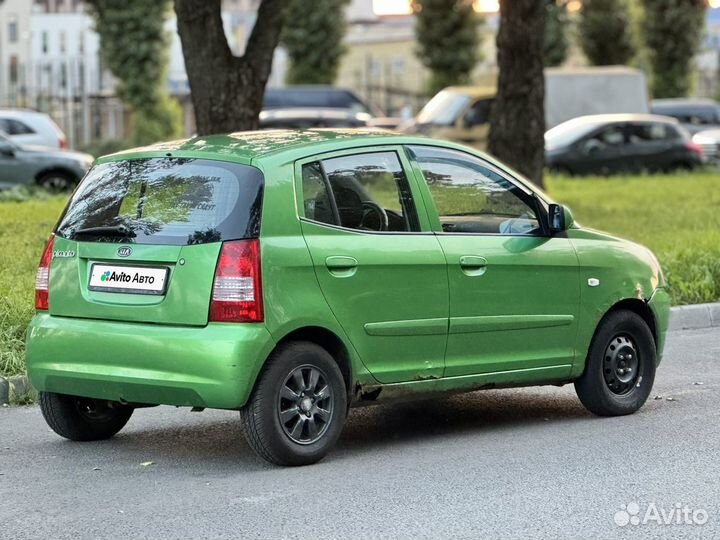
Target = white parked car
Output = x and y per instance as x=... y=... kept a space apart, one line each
x=710 y=142
x=31 y=128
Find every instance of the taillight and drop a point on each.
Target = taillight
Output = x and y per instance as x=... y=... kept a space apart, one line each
x=42 y=277
x=695 y=149
x=237 y=290
x=63 y=142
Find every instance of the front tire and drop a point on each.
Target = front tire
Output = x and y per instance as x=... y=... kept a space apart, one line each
x=297 y=409
x=620 y=367
x=83 y=419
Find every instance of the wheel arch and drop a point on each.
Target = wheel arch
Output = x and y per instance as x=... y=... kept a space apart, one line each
x=56 y=169
x=640 y=307
x=329 y=341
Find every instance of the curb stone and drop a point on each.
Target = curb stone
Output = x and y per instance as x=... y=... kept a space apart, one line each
x=4 y=391
x=694 y=317
x=16 y=388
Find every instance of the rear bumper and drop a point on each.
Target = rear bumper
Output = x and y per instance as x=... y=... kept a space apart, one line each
x=213 y=366
x=660 y=305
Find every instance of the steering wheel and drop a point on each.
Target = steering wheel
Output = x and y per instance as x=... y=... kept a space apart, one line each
x=371 y=207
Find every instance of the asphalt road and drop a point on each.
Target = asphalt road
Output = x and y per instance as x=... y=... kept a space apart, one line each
x=527 y=463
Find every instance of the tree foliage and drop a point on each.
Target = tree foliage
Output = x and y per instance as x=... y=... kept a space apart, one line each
x=517 y=117
x=313 y=37
x=134 y=46
x=227 y=90
x=448 y=37
x=672 y=30
x=607 y=33
x=556 y=33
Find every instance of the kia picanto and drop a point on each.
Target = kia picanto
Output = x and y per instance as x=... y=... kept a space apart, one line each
x=292 y=275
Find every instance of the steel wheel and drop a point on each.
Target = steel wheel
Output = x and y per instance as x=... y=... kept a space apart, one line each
x=305 y=404
x=94 y=410
x=621 y=366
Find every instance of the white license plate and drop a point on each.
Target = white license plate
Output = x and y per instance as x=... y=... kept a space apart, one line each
x=128 y=279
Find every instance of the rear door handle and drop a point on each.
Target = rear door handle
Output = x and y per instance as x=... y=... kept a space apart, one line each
x=341 y=266
x=472 y=265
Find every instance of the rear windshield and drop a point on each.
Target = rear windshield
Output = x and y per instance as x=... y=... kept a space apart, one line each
x=177 y=201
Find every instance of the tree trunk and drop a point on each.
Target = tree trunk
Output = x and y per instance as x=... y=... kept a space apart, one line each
x=517 y=119
x=227 y=91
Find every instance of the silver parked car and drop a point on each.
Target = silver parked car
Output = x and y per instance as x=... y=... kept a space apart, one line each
x=709 y=140
x=25 y=127
x=53 y=169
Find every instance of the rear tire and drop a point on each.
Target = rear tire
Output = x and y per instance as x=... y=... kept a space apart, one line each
x=620 y=366
x=298 y=407
x=83 y=419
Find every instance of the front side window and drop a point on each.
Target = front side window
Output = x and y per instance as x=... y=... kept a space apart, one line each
x=367 y=192
x=473 y=198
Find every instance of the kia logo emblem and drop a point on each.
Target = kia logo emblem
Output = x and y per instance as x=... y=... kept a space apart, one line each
x=124 y=251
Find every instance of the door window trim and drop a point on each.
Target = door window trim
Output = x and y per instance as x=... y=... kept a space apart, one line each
x=421 y=211
x=534 y=201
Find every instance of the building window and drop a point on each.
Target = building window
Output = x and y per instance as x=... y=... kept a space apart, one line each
x=12 y=29
x=45 y=42
x=13 y=69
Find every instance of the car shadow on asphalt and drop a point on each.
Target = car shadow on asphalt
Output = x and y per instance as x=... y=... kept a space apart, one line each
x=482 y=412
x=216 y=444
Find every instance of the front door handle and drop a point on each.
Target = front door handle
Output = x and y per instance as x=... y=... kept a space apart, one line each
x=472 y=265
x=341 y=266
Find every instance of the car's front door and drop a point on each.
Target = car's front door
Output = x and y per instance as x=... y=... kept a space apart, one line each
x=379 y=266
x=514 y=290
x=602 y=152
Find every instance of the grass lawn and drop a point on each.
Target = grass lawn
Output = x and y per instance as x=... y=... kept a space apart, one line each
x=677 y=216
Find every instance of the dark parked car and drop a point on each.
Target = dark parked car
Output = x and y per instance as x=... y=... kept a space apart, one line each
x=694 y=114
x=609 y=143
x=306 y=118
x=316 y=97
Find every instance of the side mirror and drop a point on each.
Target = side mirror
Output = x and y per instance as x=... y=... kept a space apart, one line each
x=560 y=218
x=7 y=149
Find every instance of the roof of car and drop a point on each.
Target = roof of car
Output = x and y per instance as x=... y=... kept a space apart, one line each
x=613 y=118
x=13 y=113
x=683 y=102
x=245 y=146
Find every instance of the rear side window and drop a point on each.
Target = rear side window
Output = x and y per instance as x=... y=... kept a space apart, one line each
x=367 y=192
x=15 y=127
x=176 y=201
x=650 y=132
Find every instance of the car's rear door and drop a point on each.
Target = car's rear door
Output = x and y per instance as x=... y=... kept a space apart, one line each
x=378 y=265
x=140 y=239
x=650 y=145
x=514 y=290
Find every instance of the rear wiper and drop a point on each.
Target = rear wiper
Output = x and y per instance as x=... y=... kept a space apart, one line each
x=111 y=230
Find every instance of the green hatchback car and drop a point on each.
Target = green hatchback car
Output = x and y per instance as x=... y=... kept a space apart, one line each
x=291 y=275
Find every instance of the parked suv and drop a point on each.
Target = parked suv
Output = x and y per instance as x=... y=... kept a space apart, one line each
x=292 y=275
